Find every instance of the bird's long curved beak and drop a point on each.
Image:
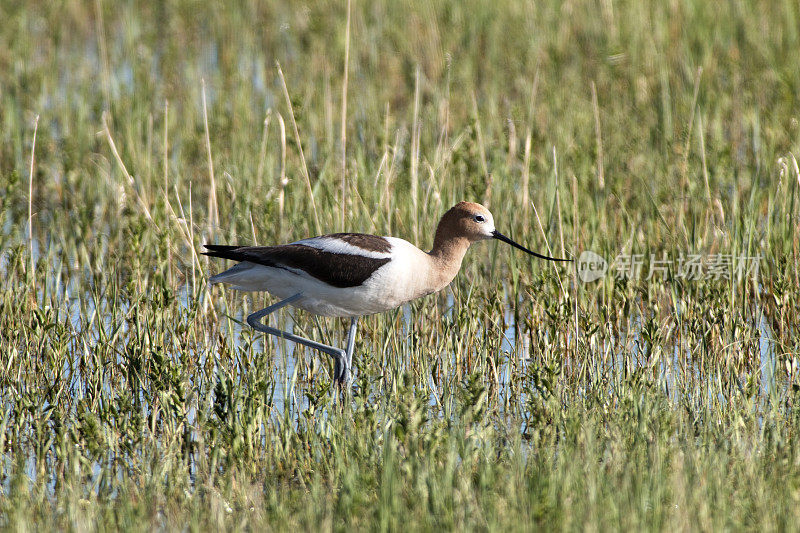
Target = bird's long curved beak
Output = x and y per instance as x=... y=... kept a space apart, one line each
x=500 y=237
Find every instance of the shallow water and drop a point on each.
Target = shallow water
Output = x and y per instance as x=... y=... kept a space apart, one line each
x=92 y=321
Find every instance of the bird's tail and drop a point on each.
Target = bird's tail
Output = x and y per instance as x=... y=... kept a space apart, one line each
x=224 y=251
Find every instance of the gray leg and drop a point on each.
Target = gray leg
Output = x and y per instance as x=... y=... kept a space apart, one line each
x=341 y=367
x=351 y=342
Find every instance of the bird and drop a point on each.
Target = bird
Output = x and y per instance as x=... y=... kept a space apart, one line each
x=355 y=274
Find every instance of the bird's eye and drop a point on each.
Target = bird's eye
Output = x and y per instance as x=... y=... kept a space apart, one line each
x=479 y=218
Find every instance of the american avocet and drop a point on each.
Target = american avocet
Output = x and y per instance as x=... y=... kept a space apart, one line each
x=354 y=274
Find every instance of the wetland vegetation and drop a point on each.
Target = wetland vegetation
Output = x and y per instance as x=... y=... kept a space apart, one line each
x=522 y=397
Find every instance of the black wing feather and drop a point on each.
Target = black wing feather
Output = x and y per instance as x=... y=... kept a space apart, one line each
x=338 y=270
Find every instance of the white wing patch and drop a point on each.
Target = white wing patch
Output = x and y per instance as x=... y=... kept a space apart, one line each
x=338 y=246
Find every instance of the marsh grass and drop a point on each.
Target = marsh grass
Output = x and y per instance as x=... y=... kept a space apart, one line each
x=132 y=397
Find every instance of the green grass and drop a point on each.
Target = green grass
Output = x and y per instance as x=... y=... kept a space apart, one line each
x=131 y=397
